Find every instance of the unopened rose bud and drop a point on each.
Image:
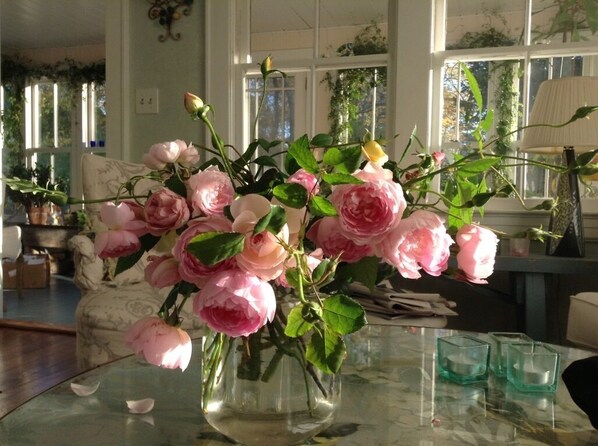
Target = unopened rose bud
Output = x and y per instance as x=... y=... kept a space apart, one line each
x=438 y=157
x=373 y=152
x=193 y=104
x=266 y=65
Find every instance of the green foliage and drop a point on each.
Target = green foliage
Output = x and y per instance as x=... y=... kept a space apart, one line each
x=349 y=87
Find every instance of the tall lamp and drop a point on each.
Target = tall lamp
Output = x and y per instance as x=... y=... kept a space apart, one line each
x=556 y=102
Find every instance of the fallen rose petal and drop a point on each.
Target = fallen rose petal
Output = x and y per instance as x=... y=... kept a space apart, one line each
x=82 y=390
x=141 y=406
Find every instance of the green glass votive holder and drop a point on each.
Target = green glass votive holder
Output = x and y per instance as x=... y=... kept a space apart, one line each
x=463 y=359
x=532 y=367
x=498 y=354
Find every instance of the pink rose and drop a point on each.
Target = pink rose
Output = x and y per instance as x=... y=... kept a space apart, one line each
x=210 y=191
x=263 y=254
x=325 y=234
x=438 y=157
x=419 y=242
x=165 y=211
x=235 y=303
x=159 y=343
x=369 y=211
x=121 y=238
x=305 y=179
x=116 y=243
x=163 y=153
x=137 y=225
x=477 y=250
x=162 y=271
x=190 y=268
x=189 y=156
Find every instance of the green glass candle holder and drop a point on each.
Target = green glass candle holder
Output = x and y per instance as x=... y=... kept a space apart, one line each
x=532 y=367
x=498 y=354
x=463 y=359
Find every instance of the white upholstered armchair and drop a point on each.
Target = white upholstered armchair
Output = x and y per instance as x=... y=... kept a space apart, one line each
x=109 y=305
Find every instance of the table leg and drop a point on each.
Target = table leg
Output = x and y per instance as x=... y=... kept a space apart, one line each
x=535 y=306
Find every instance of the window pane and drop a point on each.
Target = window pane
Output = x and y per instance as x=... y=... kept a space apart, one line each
x=557 y=21
x=283 y=27
x=65 y=108
x=46 y=114
x=358 y=30
x=100 y=113
x=357 y=102
x=476 y=24
x=277 y=115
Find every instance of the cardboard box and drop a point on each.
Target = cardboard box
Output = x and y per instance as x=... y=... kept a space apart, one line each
x=32 y=270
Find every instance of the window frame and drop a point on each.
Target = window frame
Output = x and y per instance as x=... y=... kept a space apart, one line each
x=417 y=65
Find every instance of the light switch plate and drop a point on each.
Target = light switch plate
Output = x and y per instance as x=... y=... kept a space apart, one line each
x=146 y=101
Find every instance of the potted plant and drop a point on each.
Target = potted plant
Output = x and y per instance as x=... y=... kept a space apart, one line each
x=35 y=202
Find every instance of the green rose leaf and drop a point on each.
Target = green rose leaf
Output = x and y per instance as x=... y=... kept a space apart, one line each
x=364 y=271
x=266 y=161
x=175 y=184
x=291 y=194
x=296 y=325
x=213 y=247
x=326 y=350
x=293 y=277
x=343 y=315
x=477 y=166
x=321 y=207
x=148 y=241
x=301 y=152
x=346 y=160
x=340 y=178
x=322 y=140
x=273 y=221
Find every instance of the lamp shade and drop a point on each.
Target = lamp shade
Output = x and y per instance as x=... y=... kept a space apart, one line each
x=556 y=102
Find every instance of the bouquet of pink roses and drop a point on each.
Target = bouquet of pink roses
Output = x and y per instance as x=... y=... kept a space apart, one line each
x=235 y=231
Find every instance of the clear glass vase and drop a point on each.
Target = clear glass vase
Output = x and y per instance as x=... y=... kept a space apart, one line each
x=260 y=390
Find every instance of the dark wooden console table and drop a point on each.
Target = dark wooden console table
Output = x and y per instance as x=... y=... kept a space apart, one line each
x=530 y=276
x=49 y=238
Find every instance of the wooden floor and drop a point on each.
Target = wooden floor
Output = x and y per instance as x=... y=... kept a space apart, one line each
x=32 y=361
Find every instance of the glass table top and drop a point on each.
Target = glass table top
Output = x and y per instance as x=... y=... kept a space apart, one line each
x=391 y=395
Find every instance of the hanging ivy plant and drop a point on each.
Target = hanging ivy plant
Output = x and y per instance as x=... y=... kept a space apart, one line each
x=349 y=87
x=16 y=72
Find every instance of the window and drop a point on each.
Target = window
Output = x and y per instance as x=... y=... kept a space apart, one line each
x=510 y=48
x=335 y=58
x=61 y=123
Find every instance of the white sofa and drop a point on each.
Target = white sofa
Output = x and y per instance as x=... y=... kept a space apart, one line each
x=110 y=304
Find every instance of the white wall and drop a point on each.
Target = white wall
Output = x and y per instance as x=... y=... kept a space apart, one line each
x=136 y=59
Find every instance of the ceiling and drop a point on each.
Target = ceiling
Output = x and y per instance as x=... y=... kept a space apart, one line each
x=32 y=24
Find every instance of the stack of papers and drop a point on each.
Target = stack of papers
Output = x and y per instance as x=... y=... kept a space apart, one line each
x=391 y=304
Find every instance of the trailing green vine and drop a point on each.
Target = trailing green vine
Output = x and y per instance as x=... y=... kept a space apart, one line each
x=16 y=72
x=349 y=87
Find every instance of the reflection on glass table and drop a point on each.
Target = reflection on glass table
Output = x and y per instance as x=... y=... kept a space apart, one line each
x=391 y=395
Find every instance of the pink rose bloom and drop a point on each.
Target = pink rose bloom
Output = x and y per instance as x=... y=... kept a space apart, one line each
x=137 y=225
x=189 y=156
x=235 y=303
x=262 y=254
x=438 y=157
x=165 y=211
x=121 y=238
x=419 y=242
x=162 y=271
x=305 y=179
x=159 y=343
x=477 y=250
x=325 y=234
x=210 y=191
x=116 y=243
x=313 y=259
x=163 y=153
x=369 y=211
x=190 y=268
